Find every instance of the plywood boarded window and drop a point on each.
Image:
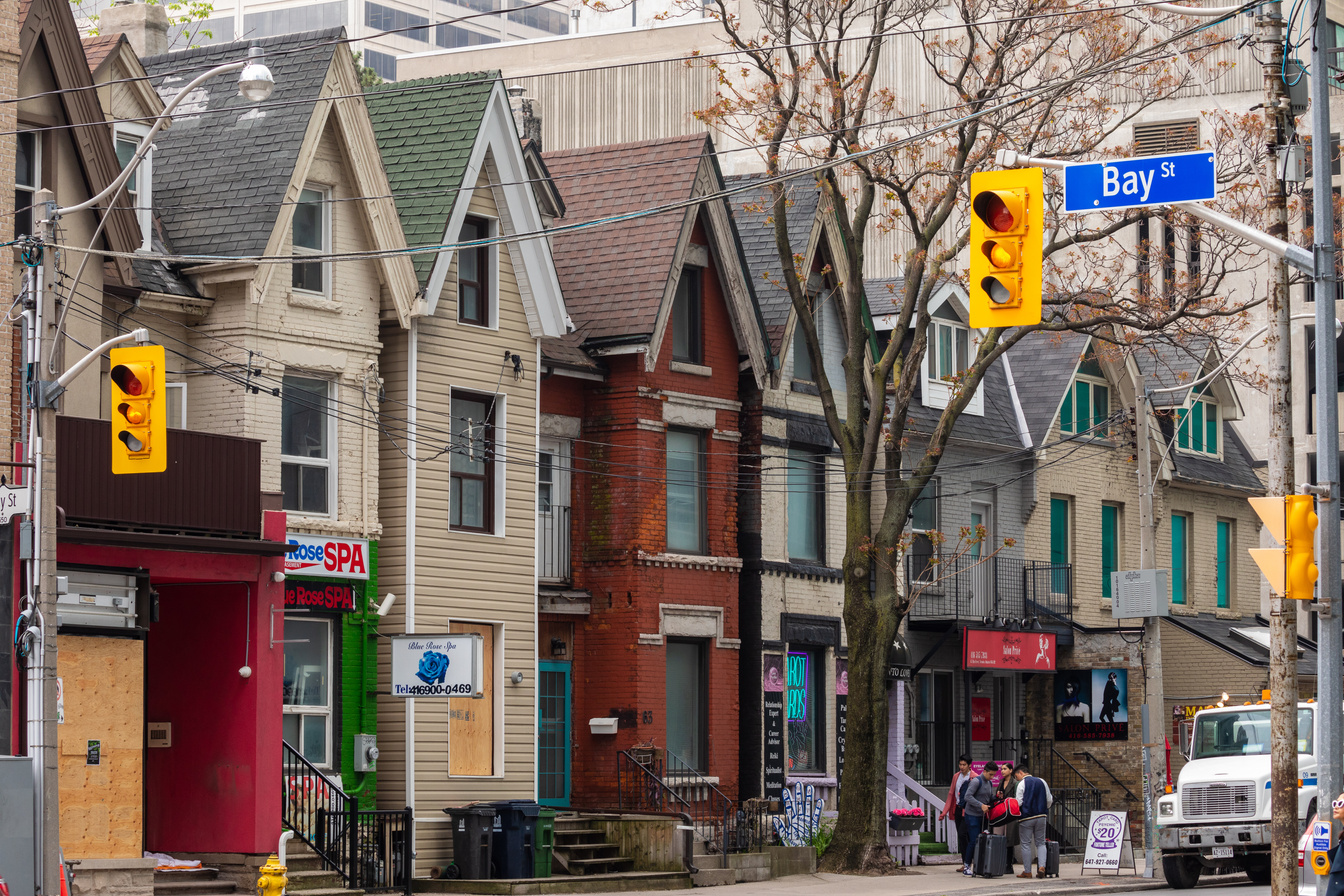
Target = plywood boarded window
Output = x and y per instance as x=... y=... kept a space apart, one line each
x=471 y=723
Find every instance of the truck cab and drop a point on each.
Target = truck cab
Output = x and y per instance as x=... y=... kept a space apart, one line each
x=1218 y=815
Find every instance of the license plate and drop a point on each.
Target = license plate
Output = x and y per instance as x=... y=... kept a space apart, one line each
x=1220 y=852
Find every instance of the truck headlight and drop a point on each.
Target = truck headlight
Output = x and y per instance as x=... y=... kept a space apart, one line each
x=1166 y=809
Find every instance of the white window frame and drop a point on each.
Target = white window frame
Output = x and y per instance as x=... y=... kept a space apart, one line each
x=1093 y=382
x=328 y=462
x=492 y=275
x=144 y=179
x=297 y=250
x=498 y=526
x=30 y=189
x=181 y=422
x=294 y=709
x=938 y=391
x=1209 y=402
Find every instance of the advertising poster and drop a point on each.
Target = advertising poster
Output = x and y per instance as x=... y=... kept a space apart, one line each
x=1092 y=704
x=841 y=713
x=1108 y=845
x=772 y=679
x=980 y=718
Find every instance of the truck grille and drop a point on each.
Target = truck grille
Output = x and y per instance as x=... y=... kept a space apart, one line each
x=1236 y=800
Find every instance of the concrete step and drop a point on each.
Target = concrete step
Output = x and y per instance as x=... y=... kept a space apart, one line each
x=608 y=865
x=308 y=881
x=163 y=877
x=713 y=877
x=194 y=888
x=707 y=860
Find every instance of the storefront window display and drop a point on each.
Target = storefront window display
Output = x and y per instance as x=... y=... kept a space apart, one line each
x=308 y=683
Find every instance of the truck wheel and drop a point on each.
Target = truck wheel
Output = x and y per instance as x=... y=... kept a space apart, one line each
x=1258 y=871
x=1182 y=872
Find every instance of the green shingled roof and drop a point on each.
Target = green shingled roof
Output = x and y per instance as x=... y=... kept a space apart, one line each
x=425 y=131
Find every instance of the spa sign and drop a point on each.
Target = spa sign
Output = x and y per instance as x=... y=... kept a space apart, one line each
x=437 y=665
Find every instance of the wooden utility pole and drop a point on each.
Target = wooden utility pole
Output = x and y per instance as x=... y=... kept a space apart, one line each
x=1154 y=720
x=1283 y=872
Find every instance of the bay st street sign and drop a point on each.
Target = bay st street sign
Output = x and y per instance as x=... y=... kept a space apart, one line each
x=1147 y=180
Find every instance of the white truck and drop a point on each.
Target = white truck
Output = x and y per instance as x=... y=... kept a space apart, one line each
x=1218 y=815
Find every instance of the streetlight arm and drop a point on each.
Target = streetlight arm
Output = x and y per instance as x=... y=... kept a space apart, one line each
x=145 y=142
x=141 y=336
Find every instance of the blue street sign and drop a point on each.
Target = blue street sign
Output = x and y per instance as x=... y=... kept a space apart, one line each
x=1147 y=180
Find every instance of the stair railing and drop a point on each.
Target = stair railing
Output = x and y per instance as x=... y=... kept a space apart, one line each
x=712 y=812
x=371 y=849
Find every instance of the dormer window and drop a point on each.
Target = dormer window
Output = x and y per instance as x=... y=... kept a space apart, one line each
x=1087 y=403
x=1197 y=427
x=948 y=355
x=138 y=187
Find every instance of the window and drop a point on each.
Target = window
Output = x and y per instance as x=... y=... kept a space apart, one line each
x=386 y=18
x=1180 y=557
x=1061 y=543
x=307 y=709
x=1197 y=427
x=949 y=346
x=1110 y=545
x=686 y=335
x=139 y=185
x=806 y=710
x=807 y=502
x=473 y=273
x=948 y=352
x=1087 y=403
x=306 y=466
x=384 y=65
x=312 y=236
x=1224 y=567
x=687 y=702
x=176 y=400
x=471 y=496
x=924 y=527
x=686 y=491
x=802 y=358
x=1311 y=375
x=27 y=179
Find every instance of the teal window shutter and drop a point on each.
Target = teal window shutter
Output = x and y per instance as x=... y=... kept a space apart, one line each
x=1179 y=556
x=1109 y=520
x=1224 y=555
x=1066 y=412
x=1059 y=543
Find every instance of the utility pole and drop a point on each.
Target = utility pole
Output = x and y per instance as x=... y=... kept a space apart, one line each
x=1154 y=701
x=1283 y=773
x=42 y=574
x=1331 y=689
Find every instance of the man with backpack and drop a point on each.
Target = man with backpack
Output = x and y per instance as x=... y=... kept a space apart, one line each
x=1034 y=799
x=979 y=796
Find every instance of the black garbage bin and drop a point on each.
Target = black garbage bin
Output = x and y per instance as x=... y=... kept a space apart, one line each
x=471 y=840
x=515 y=831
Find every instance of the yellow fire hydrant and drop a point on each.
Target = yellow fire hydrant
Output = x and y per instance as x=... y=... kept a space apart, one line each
x=273 y=879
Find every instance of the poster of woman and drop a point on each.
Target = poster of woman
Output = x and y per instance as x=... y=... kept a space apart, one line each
x=1092 y=704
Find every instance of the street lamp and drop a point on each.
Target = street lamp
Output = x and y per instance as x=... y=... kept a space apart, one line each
x=254 y=84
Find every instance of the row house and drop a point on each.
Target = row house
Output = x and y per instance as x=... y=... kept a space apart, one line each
x=642 y=417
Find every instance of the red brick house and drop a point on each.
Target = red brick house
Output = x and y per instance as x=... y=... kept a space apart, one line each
x=638 y=561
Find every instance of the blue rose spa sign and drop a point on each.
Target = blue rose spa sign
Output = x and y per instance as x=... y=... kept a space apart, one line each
x=437 y=665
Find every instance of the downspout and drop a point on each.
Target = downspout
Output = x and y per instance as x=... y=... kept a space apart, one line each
x=412 y=362
x=364 y=461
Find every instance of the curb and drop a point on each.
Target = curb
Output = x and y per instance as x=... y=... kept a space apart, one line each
x=1070 y=888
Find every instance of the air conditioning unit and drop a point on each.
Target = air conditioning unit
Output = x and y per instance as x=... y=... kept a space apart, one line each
x=1140 y=593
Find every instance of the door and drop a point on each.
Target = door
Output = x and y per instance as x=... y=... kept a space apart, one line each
x=936 y=733
x=553 y=734
x=982 y=580
x=553 y=510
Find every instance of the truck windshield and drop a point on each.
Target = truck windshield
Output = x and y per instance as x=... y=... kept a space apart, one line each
x=1243 y=733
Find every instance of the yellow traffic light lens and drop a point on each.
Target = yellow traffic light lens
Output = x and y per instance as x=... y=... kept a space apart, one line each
x=127 y=381
x=132 y=415
x=1000 y=255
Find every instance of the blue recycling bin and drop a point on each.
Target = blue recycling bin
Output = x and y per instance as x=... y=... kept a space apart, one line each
x=513 y=838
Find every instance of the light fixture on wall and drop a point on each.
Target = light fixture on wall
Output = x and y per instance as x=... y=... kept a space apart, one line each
x=516 y=678
x=559 y=648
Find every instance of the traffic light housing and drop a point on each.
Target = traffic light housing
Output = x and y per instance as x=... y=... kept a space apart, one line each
x=139 y=410
x=1290 y=570
x=1006 y=236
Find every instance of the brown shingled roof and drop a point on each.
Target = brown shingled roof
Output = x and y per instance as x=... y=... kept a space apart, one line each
x=614 y=275
x=99 y=47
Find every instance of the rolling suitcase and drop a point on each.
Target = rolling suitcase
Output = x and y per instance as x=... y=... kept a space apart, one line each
x=1051 y=858
x=991 y=855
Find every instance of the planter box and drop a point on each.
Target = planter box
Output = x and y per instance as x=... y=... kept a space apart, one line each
x=905 y=823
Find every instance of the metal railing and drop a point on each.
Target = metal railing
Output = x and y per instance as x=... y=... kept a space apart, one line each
x=940 y=743
x=964 y=587
x=553 y=544
x=369 y=848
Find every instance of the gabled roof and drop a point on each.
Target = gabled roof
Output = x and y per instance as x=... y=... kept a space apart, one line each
x=221 y=171
x=754 y=212
x=51 y=24
x=620 y=277
x=437 y=137
x=111 y=58
x=99 y=47
x=1047 y=361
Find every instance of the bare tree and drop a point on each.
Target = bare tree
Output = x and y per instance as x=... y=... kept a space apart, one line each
x=887 y=107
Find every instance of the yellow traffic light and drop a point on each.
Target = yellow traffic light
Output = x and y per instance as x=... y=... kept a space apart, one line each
x=139 y=412
x=1006 y=236
x=1300 y=575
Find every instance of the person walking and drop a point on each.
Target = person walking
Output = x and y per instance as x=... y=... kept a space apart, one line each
x=956 y=802
x=979 y=795
x=1007 y=788
x=1034 y=799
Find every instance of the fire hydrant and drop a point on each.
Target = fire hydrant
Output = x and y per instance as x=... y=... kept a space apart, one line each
x=273 y=879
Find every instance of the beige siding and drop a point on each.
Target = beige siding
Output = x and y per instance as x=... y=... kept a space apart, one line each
x=466 y=577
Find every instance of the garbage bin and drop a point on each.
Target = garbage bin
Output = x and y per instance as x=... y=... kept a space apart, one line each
x=471 y=840
x=543 y=843
x=514 y=833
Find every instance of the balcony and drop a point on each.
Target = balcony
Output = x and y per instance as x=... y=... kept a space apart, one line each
x=966 y=589
x=553 y=555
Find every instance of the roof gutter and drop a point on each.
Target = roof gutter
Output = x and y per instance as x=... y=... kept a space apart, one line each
x=1022 y=429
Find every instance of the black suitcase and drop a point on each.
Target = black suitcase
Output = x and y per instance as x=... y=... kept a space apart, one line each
x=991 y=855
x=1051 y=858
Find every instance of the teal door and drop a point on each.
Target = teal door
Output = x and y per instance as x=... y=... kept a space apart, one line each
x=553 y=735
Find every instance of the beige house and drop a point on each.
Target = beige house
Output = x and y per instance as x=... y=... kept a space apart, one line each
x=459 y=442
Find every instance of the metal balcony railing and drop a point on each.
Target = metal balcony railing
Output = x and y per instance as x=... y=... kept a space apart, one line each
x=553 y=551
x=966 y=588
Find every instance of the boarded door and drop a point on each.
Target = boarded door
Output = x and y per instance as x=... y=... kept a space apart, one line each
x=471 y=723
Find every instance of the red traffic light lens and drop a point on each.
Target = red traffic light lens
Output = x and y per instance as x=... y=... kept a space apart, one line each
x=126 y=380
x=994 y=211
